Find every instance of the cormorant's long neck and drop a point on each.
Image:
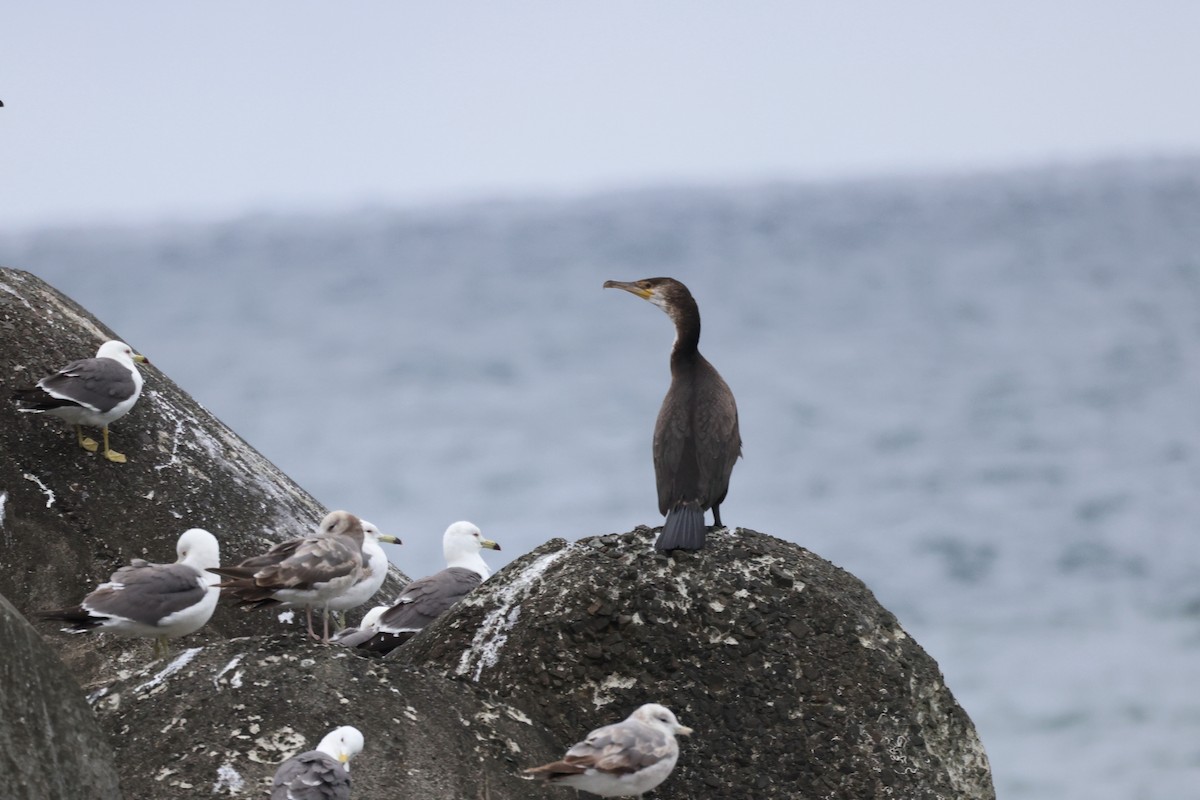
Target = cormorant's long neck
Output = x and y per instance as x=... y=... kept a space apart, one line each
x=686 y=316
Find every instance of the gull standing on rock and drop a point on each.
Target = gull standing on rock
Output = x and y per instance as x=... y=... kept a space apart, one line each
x=423 y=600
x=627 y=758
x=159 y=600
x=696 y=438
x=321 y=774
x=374 y=572
x=92 y=391
x=310 y=571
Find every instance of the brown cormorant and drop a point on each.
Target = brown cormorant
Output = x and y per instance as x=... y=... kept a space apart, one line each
x=696 y=438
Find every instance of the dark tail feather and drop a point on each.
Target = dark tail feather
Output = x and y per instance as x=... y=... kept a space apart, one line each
x=383 y=643
x=683 y=530
x=79 y=619
x=35 y=399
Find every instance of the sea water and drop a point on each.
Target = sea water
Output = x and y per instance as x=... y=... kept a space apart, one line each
x=979 y=394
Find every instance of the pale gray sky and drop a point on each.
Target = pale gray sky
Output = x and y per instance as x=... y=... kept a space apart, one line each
x=152 y=110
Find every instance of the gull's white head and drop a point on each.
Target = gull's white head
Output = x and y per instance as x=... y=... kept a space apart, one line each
x=461 y=544
x=198 y=548
x=119 y=351
x=342 y=743
x=660 y=717
x=371 y=532
x=372 y=616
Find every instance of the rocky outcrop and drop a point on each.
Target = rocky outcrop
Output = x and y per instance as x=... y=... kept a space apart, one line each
x=52 y=747
x=216 y=722
x=798 y=683
x=68 y=518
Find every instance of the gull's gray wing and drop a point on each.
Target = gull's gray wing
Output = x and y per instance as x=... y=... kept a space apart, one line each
x=421 y=602
x=294 y=564
x=98 y=384
x=311 y=776
x=621 y=748
x=147 y=593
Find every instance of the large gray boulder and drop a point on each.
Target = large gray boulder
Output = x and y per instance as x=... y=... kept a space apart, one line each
x=69 y=518
x=797 y=682
x=50 y=745
x=217 y=721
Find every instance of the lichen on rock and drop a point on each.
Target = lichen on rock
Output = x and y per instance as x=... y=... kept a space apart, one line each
x=798 y=683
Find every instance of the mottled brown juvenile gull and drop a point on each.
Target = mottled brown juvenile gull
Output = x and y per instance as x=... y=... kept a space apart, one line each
x=621 y=760
x=321 y=774
x=309 y=571
x=159 y=600
x=423 y=600
x=92 y=391
x=374 y=571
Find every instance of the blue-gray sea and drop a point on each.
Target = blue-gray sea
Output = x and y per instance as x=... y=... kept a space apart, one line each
x=980 y=394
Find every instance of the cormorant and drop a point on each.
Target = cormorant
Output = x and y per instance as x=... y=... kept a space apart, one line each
x=696 y=438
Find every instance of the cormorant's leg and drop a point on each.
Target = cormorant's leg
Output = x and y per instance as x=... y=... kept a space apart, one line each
x=87 y=443
x=112 y=455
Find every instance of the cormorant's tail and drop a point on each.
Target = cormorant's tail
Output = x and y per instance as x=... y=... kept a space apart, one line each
x=683 y=530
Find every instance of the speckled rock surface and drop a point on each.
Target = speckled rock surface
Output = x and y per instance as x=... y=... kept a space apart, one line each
x=50 y=745
x=68 y=518
x=216 y=722
x=797 y=682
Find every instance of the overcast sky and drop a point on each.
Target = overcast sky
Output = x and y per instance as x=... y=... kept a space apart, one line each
x=153 y=110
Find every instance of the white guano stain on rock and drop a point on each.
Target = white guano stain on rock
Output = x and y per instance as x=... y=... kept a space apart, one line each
x=228 y=780
x=493 y=631
x=277 y=747
x=179 y=663
x=6 y=288
x=602 y=694
x=29 y=476
x=236 y=680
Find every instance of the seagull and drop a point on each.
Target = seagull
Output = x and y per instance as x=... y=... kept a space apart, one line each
x=374 y=571
x=159 y=600
x=423 y=600
x=321 y=774
x=310 y=571
x=92 y=391
x=627 y=758
x=353 y=637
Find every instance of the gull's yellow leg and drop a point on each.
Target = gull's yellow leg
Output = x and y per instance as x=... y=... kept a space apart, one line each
x=86 y=442
x=112 y=455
